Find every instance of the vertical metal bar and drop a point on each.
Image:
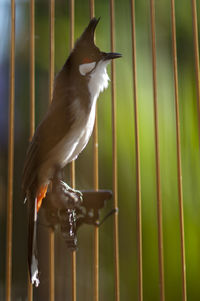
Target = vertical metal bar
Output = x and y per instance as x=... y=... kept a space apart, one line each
x=196 y=54
x=71 y=24
x=178 y=143
x=32 y=68
x=158 y=184
x=52 y=49
x=32 y=97
x=74 y=275
x=10 y=158
x=52 y=265
x=92 y=12
x=137 y=151
x=51 y=82
x=72 y=165
x=96 y=187
x=114 y=154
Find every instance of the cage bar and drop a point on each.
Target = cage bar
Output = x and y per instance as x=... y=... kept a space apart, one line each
x=96 y=187
x=137 y=152
x=32 y=68
x=72 y=165
x=32 y=98
x=157 y=155
x=51 y=83
x=114 y=153
x=178 y=148
x=9 y=219
x=196 y=55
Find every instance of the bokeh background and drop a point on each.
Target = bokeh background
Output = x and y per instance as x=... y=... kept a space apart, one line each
x=126 y=150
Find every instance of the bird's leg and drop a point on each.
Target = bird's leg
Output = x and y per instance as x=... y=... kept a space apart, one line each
x=63 y=196
x=72 y=190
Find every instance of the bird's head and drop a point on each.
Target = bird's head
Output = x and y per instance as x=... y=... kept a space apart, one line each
x=88 y=60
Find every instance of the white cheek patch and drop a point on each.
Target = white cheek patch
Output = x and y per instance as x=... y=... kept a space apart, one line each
x=85 y=68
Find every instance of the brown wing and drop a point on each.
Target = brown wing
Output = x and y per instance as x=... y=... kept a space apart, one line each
x=50 y=131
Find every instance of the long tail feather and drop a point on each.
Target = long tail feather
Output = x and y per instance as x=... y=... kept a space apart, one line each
x=32 y=242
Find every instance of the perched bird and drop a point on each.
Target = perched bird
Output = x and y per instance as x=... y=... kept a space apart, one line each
x=66 y=128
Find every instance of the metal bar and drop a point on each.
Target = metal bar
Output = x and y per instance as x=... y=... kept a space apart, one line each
x=52 y=49
x=52 y=265
x=10 y=158
x=96 y=187
x=71 y=24
x=32 y=97
x=114 y=154
x=32 y=68
x=178 y=143
x=137 y=151
x=51 y=82
x=72 y=165
x=196 y=54
x=157 y=154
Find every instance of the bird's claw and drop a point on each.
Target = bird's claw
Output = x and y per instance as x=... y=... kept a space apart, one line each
x=63 y=196
x=75 y=194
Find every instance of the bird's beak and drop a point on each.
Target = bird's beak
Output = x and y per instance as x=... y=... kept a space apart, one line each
x=111 y=56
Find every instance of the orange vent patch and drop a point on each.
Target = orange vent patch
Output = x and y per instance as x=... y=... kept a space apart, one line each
x=41 y=195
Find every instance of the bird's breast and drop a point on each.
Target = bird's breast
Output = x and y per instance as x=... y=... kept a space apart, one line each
x=77 y=137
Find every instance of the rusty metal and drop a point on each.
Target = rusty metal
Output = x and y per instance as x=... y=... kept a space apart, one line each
x=10 y=159
x=137 y=152
x=114 y=154
x=32 y=97
x=157 y=156
x=51 y=82
x=178 y=143
x=196 y=55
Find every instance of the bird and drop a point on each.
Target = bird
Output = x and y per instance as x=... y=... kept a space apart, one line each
x=65 y=129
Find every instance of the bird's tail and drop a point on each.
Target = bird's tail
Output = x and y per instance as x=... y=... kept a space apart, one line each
x=32 y=242
x=34 y=204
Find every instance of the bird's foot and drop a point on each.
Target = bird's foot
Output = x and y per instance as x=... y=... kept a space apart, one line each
x=67 y=189
x=63 y=196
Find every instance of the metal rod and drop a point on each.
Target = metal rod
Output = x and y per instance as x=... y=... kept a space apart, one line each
x=157 y=154
x=52 y=264
x=30 y=289
x=96 y=187
x=71 y=24
x=72 y=165
x=51 y=83
x=178 y=143
x=52 y=49
x=32 y=68
x=32 y=97
x=114 y=154
x=196 y=54
x=137 y=151
x=10 y=158
x=74 y=275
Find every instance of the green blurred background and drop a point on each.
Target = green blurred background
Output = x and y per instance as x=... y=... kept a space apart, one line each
x=126 y=150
